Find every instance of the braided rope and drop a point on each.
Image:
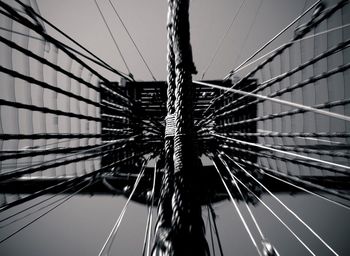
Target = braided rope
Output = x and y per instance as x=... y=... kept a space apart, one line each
x=188 y=228
x=180 y=228
x=163 y=243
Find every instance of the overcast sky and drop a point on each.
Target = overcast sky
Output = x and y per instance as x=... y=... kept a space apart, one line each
x=146 y=22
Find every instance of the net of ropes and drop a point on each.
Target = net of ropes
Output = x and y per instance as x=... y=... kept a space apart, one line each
x=53 y=103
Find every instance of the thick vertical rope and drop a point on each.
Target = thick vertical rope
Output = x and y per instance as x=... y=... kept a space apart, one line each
x=188 y=228
x=180 y=228
x=162 y=243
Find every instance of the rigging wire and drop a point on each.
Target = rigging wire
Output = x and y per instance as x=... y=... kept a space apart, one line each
x=277 y=93
x=150 y=198
x=296 y=41
x=132 y=40
x=238 y=57
x=22 y=34
x=320 y=149
x=302 y=11
x=213 y=217
x=44 y=146
x=285 y=206
x=51 y=150
x=230 y=74
x=28 y=169
x=302 y=33
x=145 y=238
x=112 y=234
x=284 y=152
x=237 y=209
x=36 y=8
x=267 y=247
x=36 y=204
x=273 y=213
x=244 y=200
x=67 y=182
x=270 y=156
x=279 y=101
x=100 y=62
x=218 y=47
x=308 y=191
x=152 y=203
x=295 y=179
x=112 y=36
x=211 y=232
x=24 y=170
x=49 y=39
x=45 y=213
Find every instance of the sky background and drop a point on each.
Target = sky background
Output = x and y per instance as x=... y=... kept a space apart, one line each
x=146 y=22
x=80 y=226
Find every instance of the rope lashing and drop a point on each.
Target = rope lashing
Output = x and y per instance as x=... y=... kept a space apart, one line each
x=170 y=125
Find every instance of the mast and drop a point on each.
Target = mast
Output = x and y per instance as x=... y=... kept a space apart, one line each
x=180 y=229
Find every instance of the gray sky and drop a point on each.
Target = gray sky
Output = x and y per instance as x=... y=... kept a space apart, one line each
x=146 y=22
